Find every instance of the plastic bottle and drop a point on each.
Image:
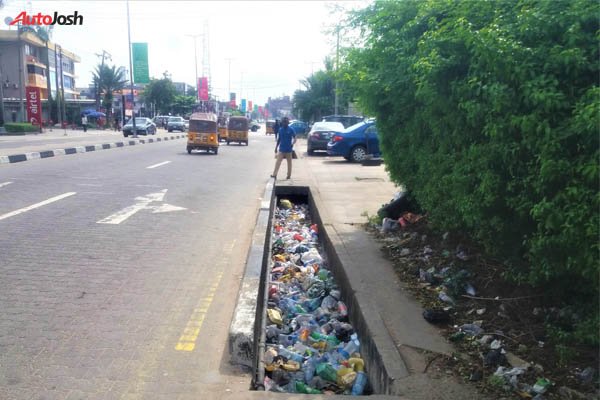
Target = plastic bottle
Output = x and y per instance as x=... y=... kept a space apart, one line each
x=290 y=355
x=320 y=336
x=329 y=303
x=302 y=387
x=342 y=309
x=310 y=367
x=353 y=346
x=345 y=376
x=359 y=384
x=287 y=340
x=327 y=372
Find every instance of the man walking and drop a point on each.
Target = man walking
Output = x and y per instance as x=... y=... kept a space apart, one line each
x=286 y=139
x=84 y=123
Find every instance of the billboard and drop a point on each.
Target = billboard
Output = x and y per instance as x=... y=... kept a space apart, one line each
x=243 y=106
x=232 y=100
x=141 y=71
x=203 y=88
x=34 y=105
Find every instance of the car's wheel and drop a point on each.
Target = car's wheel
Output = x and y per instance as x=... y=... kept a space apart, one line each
x=124 y=134
x=228 y=143
x=358 y=154
x=254 y=129
x=216 y=151
x=170 y=130
x=310 y=151
x=189 y=150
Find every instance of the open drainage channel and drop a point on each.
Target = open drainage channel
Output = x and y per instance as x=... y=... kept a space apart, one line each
x=306 y=339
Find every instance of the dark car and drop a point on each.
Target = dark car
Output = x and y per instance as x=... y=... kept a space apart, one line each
x=320 y=134
x=356 y=142
x=346 y=120
x=143 y=126
x=176 y=124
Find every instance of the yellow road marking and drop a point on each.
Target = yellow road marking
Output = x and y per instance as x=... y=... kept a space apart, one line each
x=189 y=336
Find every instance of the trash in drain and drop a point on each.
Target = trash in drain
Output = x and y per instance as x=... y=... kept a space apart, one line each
x=310 y=345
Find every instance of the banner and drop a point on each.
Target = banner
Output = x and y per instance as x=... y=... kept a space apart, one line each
x=34 y=105
x=243 y=106
x=232 y=100
x=255 y=109
x=250 y=106
x=260 y=110
x=203 y=88
x=141 y=72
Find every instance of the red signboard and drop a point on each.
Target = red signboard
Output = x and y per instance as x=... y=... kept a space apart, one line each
x=34 y=105
x=203 y=88
x=232 y=100
x=250 y=105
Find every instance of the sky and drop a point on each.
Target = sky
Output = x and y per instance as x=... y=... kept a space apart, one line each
x=272 y=44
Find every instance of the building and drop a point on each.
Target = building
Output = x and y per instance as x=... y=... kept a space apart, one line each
x=23 y=57
x=280 y=107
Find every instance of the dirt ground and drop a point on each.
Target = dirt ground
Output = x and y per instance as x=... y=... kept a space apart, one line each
x=511 y=316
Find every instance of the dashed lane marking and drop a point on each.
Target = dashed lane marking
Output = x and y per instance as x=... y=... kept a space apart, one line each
x=5 y=184
x=189 y=336
x=158 y=165
x=37 y=205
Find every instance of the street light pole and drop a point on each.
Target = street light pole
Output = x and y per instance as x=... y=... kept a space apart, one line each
x=196 y=64
x=131 y=74
x=21 y=73
x=337 y=66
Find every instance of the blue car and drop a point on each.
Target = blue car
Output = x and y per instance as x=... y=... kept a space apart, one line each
x=299 y=127
x=356 y=142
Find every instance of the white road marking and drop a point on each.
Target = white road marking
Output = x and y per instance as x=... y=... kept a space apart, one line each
x=37 y=205
x=158 y=165
x=5 y=184
x=143 y=203
x=89 y=184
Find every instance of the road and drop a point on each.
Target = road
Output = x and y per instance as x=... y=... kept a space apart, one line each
x=120 y=270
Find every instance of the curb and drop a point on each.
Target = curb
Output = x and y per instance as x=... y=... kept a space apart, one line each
x=242 y=328
x=15 y=158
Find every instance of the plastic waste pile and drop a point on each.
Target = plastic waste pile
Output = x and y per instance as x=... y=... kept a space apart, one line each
x=310 y=346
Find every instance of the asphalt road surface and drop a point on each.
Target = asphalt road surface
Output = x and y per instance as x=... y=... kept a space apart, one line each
x=120 y=269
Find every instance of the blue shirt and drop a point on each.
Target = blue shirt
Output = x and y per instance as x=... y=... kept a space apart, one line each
x=285 y=137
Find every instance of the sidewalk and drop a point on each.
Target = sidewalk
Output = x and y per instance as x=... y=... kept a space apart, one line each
x=344 y=192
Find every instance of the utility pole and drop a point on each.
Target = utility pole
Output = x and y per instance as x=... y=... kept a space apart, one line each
x=56 y=76
x=62 y=86
x=131 y=74
x=21 y=73
x=2 y=114
x=229 y=76
x=196 y=65
x=337 y=66
x=107 y=55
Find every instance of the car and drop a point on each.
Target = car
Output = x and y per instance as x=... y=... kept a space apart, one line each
x=176 y=124
x=253 y=126
x=356 y=142
x=160 y=120
x=320 y=134
x=186 y=123
x=347 y=120
x=143 y=126
x=299 y=127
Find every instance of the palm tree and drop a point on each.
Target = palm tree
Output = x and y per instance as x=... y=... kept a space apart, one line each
x=108 y=80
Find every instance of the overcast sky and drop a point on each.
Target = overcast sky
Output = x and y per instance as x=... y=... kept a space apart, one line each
x=273 y=44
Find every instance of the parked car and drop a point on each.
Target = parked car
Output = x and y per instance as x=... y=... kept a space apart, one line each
x=253 y=126
x=320 y=134
x=161 y=120
x=143 y=126
x=299 y=127
x=356 y=142
x=176 y=124
x=347 y=120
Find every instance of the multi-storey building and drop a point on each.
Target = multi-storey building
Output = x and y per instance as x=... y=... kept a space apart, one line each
x=27 y=60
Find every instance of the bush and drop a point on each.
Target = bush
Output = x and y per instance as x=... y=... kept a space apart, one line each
x=488 y=114
x=20 y=127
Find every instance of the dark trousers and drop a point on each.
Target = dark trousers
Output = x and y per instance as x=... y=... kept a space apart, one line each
x=85 y=127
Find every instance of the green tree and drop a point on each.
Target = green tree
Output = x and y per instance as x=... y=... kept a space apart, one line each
x=317 y=99
x=488 y=113
x=162 y=93
x=183 y=105
x=109 y=79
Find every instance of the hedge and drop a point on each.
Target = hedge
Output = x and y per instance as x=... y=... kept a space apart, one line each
x=20 y=127
x=488 y=114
